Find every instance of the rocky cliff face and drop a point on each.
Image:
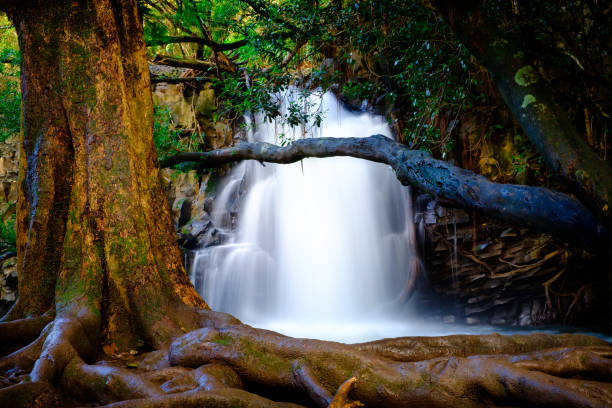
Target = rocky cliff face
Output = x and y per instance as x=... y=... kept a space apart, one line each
x=190 y=196
x=192 y=108
x=487 y=272
x=9 y=164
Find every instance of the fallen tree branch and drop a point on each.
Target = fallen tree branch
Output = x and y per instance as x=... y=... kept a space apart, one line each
x=554 y=213
x=176 y=80
x=198 y=40
x=7 y=255
x=191 y=63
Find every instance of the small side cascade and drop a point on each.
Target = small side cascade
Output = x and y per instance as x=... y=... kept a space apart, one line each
x=322 y=248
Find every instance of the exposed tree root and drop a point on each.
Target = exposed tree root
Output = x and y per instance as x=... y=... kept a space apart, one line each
x=23 y=330
x=209 y=367
x=307 y=381
x=104 y=384
x=341 y=399
x=68 y=339
x=29 y=394
x=586 y=362
x=25 y=357
x=409 y=349
x=223 y=398
x=272 y=360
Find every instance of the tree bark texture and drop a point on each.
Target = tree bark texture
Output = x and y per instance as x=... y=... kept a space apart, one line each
x=95 y=237
x=545 y=210
x=511 y=64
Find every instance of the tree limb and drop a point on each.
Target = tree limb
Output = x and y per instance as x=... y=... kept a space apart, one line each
x=554 y=213
x=176 y=80
x=7 y=255
x=198 y=40
x=190 y=63
x=261 y=8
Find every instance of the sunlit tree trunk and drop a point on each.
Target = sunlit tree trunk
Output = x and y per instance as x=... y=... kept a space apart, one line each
x=95 y=238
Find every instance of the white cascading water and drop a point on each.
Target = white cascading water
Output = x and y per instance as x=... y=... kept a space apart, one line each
x=323 y=248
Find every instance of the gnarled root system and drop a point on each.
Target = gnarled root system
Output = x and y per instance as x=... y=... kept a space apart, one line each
x=227 y=363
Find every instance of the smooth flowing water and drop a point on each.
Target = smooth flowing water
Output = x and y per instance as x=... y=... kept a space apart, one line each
x=323 y=248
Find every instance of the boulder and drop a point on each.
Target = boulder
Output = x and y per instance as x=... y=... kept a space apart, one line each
x=8 y=284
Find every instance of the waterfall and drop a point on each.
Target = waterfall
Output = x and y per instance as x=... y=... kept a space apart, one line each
x=320 y=248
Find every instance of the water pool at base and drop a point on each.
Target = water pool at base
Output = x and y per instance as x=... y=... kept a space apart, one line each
x=366 y=331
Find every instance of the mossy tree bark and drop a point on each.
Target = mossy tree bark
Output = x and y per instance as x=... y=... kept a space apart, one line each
x=510 y=61
x=100 y=272
x=95 y=238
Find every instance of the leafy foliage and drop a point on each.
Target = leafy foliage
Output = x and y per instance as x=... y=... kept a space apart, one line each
x=10 y=95
x=165 y=135
x=170 y=140
x=387 y=52
x=410 y=57
x=10 y=108
x=8 y=236
x=399 y=57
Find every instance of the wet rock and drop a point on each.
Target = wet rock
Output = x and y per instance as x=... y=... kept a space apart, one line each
x=525 y=316
x=490 y=269
x=499 y=317
x=182 y=191
x=187 y=241
x=184 y=212
x=192 y=108
x=9 y=167
x=8 y=284
x=197 y=227
x=208 y=205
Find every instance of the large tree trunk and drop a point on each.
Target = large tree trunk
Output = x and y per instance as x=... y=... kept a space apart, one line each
x=545 y=210
x=100 y=272
x=510 y=63
x=95 y=238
